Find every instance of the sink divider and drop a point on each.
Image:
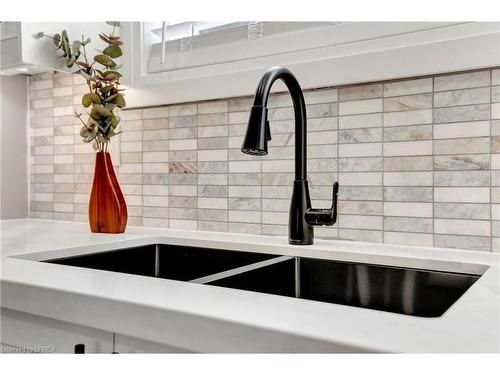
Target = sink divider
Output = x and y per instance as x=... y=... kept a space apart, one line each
x=297 y=277
x=157 y=260
x=239 y=270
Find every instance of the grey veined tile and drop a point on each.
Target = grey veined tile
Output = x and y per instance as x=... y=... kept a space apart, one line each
x=478 y=211
x=462 y=162
x=462 y=130
x=360 y=135
x=462 y=146
x=367 y=164
x=462 y=97
x=408 y=87
x=462 y=178
x=464 y=113
x=415 y=117
x=408 y=194
x=407 y=103
x=408 y=163
x=408 y=224
x=463 y=242
x=360 y=106
x=360 y=92
x=408 y=133
x=462 y=81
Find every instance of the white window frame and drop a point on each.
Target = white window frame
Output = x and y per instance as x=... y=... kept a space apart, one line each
x=346 y=53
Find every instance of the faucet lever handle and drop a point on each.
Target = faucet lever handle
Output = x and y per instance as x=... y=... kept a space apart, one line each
x=324 y=216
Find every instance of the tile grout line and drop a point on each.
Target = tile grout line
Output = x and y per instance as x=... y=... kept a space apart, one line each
x=491 y=166
x=382 y=162
x=433 y=167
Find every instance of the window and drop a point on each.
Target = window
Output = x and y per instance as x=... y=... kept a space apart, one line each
x=188 y=44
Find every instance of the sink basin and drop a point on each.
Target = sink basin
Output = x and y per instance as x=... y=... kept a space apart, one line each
x=400 y=290
x=423 y=293
x=165 y=261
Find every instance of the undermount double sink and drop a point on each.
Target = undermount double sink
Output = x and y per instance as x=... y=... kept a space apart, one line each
x=409 y=291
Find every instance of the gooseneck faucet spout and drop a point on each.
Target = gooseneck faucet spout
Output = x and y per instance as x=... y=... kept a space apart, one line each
x=302 y=217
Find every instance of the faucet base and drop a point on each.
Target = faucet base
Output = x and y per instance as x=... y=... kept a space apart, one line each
x=299 y=231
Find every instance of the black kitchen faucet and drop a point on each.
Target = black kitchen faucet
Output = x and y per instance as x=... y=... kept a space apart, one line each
x=302 y=216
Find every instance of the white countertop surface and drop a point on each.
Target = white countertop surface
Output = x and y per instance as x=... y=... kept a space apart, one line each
x=212 y=319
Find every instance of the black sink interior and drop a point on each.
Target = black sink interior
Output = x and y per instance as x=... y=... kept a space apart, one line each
x=407 y=291
x=182 y=263
x=400 y=290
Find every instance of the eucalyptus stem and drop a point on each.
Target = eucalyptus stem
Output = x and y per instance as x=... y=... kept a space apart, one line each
x=103 y=81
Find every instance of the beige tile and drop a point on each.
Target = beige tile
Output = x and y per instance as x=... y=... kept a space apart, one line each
x=360 y=121
x=463 y=242
x=321 y=96
x=416 y=117
x=363 y=149
x=462 y=81
x=360 y=92
x=408 y=103
x=408 y=179
x=462 y=227
x=495 y=111
x=408 y=87
x=408 y=224
x=462 y=146
x=408 y=209
x=462 y=130
x=360 y=106
x=463 y=113
x=408 y=133
x=155 y=113
x=408 y=148
x=462 y=194
x=462 y=97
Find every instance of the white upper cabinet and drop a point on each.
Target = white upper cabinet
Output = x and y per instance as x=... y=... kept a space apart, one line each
x=22 y=50
x=191 y=61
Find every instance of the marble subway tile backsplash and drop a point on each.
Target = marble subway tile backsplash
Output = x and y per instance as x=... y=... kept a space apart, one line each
x=418 y=161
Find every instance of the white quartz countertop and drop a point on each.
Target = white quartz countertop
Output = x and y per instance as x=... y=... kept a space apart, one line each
x=204 y=318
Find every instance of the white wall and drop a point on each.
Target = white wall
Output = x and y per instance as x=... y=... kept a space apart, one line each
x=14 y=148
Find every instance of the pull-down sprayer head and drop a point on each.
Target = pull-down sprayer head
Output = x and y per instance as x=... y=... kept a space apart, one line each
x=258 y=132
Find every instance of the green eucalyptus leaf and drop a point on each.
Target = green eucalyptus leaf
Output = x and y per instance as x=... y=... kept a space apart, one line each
x=88 y=133
x=120 y=101
x=86 y=100
x=102 y=111
x=87 y=41
x=113 y=51
x=113 y=23
x=104 y=37
x=115 y=121
x=105 y=60
x=111 y=74
x=105 y=89
x=95 y=98
x=110 y=106
x=94 y=114
x=71 y=61
x=66 y=48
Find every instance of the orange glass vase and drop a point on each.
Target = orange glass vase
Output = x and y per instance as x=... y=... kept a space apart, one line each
x=107 y=207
